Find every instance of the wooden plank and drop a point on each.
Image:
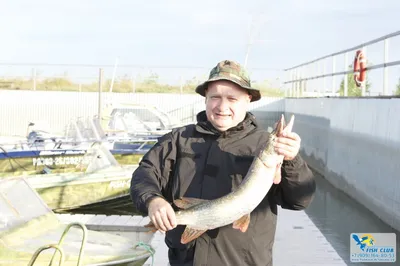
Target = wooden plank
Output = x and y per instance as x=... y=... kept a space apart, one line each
x=134 y=221
x=82 y=218
x=96 y=219
x=122 y=220
x=144 y=221
x=70 y=218
x=125 y=223
x=64 y=218
x=109 y=220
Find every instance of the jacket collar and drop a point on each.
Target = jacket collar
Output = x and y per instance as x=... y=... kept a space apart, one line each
x=204 y=126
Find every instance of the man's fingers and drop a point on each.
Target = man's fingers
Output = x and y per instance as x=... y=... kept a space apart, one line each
x=160 y=221
x=171 y=217
x=293 y=135
x=166 y=221
x=162 y=214
x=154 y=221
x=286 y=149
x=287 y=141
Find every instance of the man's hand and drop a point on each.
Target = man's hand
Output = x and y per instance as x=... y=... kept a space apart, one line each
x=162 y=214
x=288 y=145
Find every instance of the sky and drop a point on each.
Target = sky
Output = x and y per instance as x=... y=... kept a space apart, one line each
x=182 y=39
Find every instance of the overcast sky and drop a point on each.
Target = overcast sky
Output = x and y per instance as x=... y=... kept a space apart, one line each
x=189 y=33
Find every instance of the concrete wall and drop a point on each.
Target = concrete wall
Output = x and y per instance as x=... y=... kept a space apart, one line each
x=54 y=109
x=355 y=144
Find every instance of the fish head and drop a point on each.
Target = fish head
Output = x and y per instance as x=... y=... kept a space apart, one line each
x=289 y=127
x=281 y=127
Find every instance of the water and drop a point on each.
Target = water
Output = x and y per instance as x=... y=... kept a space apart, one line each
x=337 y=216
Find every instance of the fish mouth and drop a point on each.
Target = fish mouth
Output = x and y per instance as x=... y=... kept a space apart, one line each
x=281 y=126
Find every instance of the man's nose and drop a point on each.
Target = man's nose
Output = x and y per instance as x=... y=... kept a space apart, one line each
x=223 y=104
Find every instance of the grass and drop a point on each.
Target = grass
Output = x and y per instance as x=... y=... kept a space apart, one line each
x=121 y=85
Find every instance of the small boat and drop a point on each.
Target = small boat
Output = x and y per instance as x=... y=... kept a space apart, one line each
x=43 y=154
x=103 y=179
x=45 y=161
x=31 y=234
x=128 y=131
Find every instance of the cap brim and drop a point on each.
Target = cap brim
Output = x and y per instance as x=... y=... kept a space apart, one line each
x=255 y=94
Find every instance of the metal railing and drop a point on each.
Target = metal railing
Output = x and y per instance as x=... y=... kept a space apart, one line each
x=298 y=78
x=58 y=247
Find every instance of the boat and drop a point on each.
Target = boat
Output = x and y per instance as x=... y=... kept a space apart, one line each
x=103 y=178
x=127 y=130
x=137 y=119
x=29 y=231
x=43 y=153
x=45 y=161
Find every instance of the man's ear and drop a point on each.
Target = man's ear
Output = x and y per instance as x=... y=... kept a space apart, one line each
x=250 y=97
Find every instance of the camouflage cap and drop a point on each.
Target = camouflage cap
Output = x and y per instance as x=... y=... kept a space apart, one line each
x=231 y=71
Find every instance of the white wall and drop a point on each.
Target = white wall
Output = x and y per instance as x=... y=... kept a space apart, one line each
x=56 y=108
x=355 y=144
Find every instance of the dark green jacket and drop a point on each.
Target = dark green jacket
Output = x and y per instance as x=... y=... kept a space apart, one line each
x=198 y=161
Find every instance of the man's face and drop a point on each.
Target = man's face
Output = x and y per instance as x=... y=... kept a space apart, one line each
x=226 y=104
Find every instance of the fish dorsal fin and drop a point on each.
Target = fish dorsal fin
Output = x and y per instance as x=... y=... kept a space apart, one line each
x=242 y=223
x=186 y=202
x=190 y=234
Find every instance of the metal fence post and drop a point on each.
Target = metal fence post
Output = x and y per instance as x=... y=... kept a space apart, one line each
x=293 y=84
x=333 y=90
x=323 y=78
x=319 y=72
x=346 y=67
x=100 y=90
x=34 y=79
x=385 y=68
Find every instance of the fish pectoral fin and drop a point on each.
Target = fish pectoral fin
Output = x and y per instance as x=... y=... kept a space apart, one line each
x=278 y=174
x=243 y=223
x=185 y=203
x=190 y=234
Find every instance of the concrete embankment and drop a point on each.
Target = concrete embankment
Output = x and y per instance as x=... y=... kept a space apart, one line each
x=354 y=143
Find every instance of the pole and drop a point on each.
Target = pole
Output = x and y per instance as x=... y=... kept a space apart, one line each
x=113 y=76
x=100 y=90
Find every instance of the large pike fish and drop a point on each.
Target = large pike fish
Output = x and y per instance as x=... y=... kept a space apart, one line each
x=201 y=215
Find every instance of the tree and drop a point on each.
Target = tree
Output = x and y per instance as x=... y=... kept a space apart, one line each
x=352 y=89
x=397 y=92
x=152 y=79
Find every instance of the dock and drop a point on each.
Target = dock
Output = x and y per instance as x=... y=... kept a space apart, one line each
x=298 y=241
x=125 y=223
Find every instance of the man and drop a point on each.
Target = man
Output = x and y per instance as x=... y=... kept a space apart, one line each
x=207 y=161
